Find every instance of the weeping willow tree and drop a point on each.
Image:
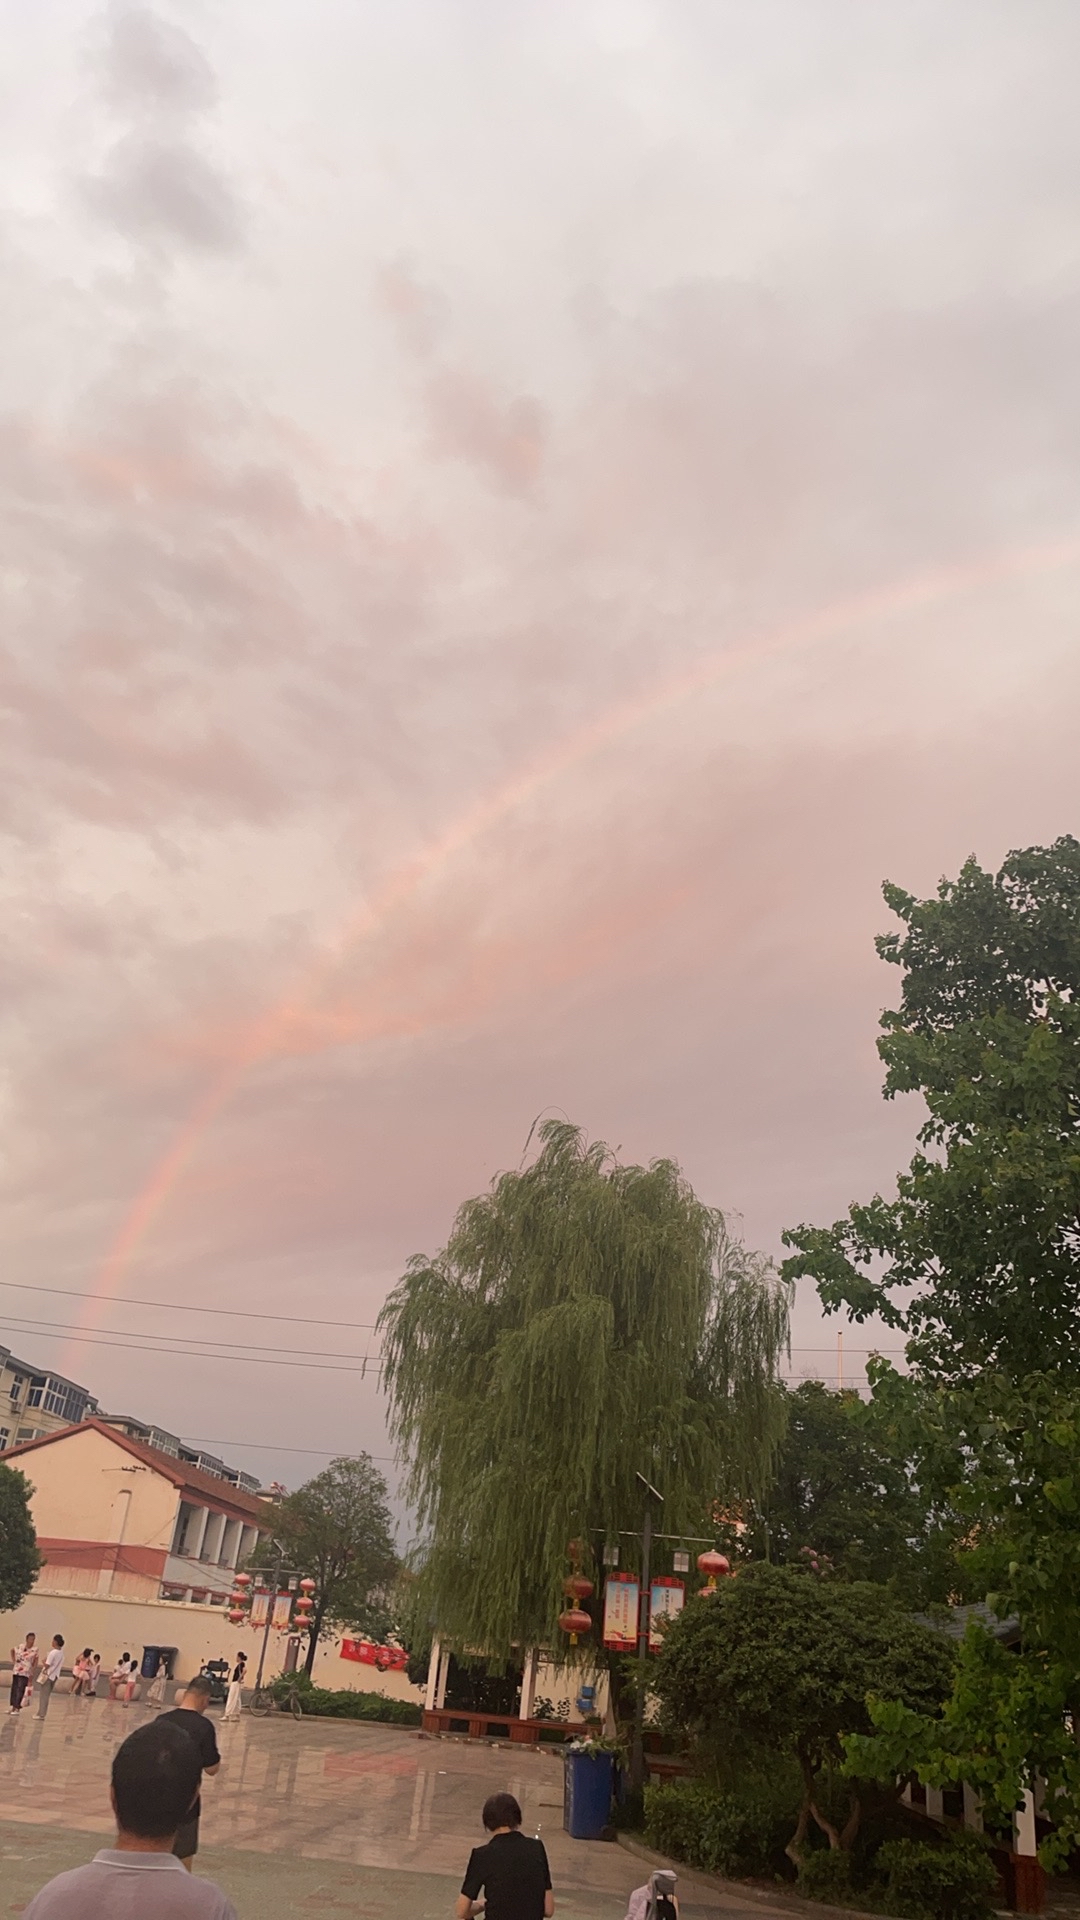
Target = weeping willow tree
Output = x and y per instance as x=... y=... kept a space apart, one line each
x=586 y=1322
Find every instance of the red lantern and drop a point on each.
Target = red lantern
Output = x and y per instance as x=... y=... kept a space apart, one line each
x=715 y=1566
x=236 y=1615
x=577 y=1587
x=574 y=1621
x=241 y=1579
x=307 y=1585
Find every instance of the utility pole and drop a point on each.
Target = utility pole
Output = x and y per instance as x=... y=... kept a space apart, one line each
x=637 y=1750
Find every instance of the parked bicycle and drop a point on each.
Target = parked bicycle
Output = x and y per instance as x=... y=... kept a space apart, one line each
x=264 y=1700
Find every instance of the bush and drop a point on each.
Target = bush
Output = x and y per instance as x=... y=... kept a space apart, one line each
x=952 y=1881
x=825 y=1874
x=719 y=1832
x=343 y=1704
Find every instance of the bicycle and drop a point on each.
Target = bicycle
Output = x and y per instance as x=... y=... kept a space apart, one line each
x=264 y=1700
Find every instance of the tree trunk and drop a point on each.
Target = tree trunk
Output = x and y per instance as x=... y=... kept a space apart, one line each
x=812 y=1808
x=313 y=1640
x=851 y=1824
x=794 y=1848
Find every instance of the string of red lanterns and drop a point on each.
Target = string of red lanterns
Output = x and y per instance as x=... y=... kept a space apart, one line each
x=577 y=1587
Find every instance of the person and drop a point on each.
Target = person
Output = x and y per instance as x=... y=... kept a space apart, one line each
x=24 y=1665
x=656 y=1900
x=118 y=1678
x=155 y=1777
x=234 y=1703
x=80 y=1672
x=190 y=1715
x=156 y=1691
x=94 y=1675
x=50 y=1674
x=131 y=1684
x=511 y=1870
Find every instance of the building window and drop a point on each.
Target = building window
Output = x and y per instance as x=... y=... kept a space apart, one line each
x=5 y=1435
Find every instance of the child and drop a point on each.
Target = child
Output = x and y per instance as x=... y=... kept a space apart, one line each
x=656 y=1900
x=80 y=1672
x=93 y=1676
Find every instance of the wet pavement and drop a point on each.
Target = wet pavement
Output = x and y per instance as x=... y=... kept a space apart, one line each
x=317 y=1815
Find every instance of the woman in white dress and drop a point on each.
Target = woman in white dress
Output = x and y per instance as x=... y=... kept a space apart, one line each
x=156 y=1693
x=234 y=1703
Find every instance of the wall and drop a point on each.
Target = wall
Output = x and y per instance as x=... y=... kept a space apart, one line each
x=114 y=1626
x=86 y=1488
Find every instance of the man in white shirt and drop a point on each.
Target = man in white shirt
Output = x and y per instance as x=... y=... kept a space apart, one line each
x=50 y=1674
x=155 y=1779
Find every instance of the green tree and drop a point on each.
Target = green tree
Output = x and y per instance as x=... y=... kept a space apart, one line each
x=20 y=1561
x=586 y=1321
x=977 y=1259
x=337 y=1529
x=779 y=1662
x=840 y=1489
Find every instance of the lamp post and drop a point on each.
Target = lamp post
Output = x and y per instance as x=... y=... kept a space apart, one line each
x=637 y=1749
x=275 y=1574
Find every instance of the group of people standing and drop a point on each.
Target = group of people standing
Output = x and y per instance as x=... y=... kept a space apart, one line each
x=31 y=1673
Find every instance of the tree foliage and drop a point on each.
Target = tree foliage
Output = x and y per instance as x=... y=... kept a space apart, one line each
x=585 y=1322
x=20 y=1561
x=780 y=1662
x=841 y=1488
x=978 y=1257
x=337 y=1529
x=978 y=1261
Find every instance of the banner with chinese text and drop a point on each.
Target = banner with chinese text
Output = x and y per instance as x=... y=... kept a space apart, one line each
x=622 y=1594
x=666 y=1598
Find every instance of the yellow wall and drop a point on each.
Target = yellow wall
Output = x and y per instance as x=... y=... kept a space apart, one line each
x=85 y=1489
x=115 y=1626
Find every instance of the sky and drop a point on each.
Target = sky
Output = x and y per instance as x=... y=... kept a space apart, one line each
x=518 y=516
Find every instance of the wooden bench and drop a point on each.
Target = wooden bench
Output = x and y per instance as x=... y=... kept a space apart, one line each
x=495 y=1726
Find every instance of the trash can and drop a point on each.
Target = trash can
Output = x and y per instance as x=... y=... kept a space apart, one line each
x=149 y=1662
x=587 y=1794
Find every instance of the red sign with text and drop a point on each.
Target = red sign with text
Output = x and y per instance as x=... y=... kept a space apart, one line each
x=386 y=1659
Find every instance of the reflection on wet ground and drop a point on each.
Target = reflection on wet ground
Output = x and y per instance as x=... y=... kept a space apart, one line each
x=379 y=1801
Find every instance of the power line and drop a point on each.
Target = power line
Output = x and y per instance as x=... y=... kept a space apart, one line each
x=38 y=1327
x=179 y=1306
x=274 y=1446
x=251 y=1360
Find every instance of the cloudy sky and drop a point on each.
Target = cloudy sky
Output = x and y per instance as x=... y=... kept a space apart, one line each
x=518 y=515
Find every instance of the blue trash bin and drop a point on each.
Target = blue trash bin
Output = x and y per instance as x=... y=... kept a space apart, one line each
x=587 y=1794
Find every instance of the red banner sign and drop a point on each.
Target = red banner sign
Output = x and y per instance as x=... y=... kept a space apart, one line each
x=622 y=1597
x=386 y=1659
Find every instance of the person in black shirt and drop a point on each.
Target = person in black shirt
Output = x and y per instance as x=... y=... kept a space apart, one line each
x=191 y=1715
x=511 y=1871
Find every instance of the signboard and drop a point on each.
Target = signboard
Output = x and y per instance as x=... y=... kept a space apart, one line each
x=386 y=1659
x=666 y=1599
x=260 y=1607
x=282 y=1611
x=622 y=1595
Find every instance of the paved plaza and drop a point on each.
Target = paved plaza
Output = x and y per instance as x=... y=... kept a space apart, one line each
x=319 y=1817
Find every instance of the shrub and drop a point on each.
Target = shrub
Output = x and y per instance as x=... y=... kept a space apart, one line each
x=825 y=1874
x=952 y=1881
x=734 y=1831
x=343 y=1704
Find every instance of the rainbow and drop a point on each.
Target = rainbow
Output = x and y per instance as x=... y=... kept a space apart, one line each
x=578 y=746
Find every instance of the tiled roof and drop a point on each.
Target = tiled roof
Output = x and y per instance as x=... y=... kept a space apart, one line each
x=205 y=1487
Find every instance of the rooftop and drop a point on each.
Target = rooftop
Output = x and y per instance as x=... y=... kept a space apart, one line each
x=205 y=1487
